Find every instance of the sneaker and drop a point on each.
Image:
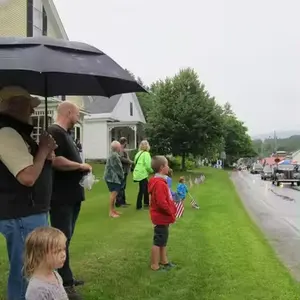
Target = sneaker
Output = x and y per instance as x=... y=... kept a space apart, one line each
x=72 y=293
x=169 y=265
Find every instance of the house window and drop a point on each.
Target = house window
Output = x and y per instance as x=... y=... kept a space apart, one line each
x=77 y=133
x=131 y=109
x=45 y=22
x=29 y=18
x=36 y=18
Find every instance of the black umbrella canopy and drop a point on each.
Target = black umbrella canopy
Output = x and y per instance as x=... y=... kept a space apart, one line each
x=51 y=67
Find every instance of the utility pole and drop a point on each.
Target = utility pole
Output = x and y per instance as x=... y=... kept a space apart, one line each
x=262 y=148
x=275 y=142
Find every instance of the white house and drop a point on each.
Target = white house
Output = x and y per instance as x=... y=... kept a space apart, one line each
x=38 y=118
x=108 y=120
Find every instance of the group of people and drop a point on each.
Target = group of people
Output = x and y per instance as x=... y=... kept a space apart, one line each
x=162 y=204
x=37 y=181
x=41 y=180
x=118 y=166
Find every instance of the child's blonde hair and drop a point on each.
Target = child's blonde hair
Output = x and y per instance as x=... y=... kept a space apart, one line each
x=39 y=243
x=181 y=179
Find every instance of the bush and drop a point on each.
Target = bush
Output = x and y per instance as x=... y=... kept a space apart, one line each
x=132 y=153
x=175 y=163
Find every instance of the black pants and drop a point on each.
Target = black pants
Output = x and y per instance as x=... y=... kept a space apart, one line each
x=64 y=217
x=121 y=197
x=143 y=192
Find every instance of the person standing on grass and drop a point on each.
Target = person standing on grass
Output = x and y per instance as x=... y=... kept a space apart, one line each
x=141 y=172
x=114 y=177
x=67 y=193
x=182 y=189
x=25 y=180
x=126 y=163
x=162 y=212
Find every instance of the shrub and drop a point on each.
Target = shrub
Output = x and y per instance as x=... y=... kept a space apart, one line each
x=132 y=153
x=175 y=162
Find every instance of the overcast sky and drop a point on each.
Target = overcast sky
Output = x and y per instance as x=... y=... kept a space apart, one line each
x=246 y=52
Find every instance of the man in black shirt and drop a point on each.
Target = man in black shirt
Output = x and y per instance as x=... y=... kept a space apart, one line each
x=67 y=193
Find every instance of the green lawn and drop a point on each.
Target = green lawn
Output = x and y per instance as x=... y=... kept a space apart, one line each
x=219 y=252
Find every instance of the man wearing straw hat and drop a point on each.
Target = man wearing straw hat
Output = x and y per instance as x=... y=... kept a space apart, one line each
x=26 y=176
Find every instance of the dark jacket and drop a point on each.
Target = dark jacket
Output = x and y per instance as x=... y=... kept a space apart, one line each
x=17 y=200
x=126 y=163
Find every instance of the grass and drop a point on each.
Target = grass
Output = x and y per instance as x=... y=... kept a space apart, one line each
x=220 y=253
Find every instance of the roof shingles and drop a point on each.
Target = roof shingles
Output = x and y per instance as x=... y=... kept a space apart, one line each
x=100 y=105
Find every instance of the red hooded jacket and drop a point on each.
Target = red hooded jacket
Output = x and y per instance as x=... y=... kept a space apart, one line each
x=162 y=208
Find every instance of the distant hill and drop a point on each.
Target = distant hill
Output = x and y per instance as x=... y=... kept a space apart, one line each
x=280 y=135
x=289 y=144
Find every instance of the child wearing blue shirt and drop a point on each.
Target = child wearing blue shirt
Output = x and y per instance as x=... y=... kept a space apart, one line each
x=169 y=182
x=182 y=189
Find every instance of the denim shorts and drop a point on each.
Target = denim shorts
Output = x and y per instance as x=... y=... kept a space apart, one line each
x=113 y=187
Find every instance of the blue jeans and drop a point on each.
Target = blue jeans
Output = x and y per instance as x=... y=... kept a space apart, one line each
x=15 y=232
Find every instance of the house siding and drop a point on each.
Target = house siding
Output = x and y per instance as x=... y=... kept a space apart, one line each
x=122 y=110
x=13 y=18
x=95 y=140
x=51 y=30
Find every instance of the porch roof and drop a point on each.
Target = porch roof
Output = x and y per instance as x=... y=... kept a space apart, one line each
x=122 y=123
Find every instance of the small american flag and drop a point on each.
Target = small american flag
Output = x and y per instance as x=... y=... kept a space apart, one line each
x=179 y=209
x=193 y=202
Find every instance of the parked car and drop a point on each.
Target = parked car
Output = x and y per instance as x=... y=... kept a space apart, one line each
x=266 y=173
x=285 y=174
x=256 y=168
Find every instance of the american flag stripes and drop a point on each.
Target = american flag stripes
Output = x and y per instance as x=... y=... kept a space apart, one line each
x=193 y=202
x=179 y=209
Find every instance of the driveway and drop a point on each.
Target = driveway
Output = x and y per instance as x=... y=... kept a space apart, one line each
x=276 y=210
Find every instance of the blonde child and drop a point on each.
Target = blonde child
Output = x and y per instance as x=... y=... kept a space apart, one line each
x=45 y=251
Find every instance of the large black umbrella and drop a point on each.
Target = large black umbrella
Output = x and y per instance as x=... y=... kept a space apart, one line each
x=51 y=67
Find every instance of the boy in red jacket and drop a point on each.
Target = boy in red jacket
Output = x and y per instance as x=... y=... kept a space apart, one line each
x=162 y=212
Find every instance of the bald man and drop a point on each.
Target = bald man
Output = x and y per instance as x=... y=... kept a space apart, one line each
x=67 y=193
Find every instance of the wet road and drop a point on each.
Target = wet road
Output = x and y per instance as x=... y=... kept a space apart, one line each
x=276 y=210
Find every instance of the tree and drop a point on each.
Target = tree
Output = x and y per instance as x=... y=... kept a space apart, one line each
x=237 y=141
x=183 y=119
